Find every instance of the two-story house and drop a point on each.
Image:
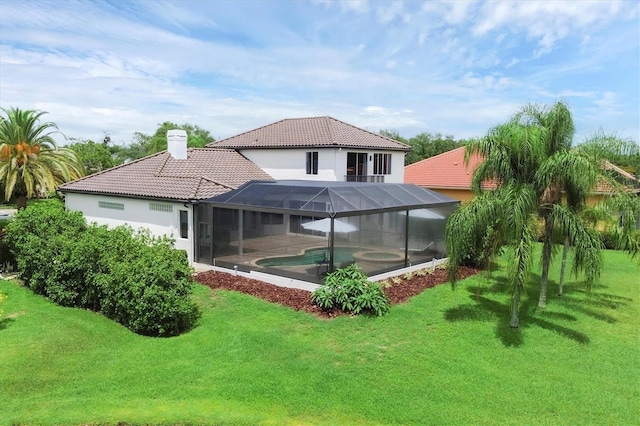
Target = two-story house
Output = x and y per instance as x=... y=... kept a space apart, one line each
x=252 y=197
x=321 y=148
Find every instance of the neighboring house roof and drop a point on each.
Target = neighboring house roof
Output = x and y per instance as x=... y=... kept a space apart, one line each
x=625 y=174
x=314 y=132
x=448 y=171
x=443 y=171
x=205 y=173
x=631 y=183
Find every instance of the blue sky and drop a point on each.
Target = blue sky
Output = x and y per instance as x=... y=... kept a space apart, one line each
x=456 y=68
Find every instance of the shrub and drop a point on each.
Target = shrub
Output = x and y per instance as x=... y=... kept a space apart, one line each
x=7 y=260
x=132 y=278
x=616 y=239
x=350 y=290
x=38 y=236
x=146 y=285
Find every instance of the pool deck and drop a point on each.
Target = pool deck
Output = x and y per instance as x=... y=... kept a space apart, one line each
x=288 y=245
x=269 y=246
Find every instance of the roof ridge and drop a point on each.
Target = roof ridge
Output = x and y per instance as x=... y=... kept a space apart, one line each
x=226 y=185
x=137 y=160
x=196 y=189
x=212 y=144
x=608 y=165
x=210 y=148
x=370 y=132
x=324 y=119
x=158 y=172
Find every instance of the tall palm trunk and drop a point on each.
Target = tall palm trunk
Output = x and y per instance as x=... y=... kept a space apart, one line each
x=546 y=261
x=515 y=303
x=565 y=252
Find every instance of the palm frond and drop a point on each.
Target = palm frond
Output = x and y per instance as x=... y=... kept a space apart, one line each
x=521 y=253
x=31 y=161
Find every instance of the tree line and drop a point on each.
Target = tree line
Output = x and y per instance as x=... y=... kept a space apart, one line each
x=98 y=156
x=425 y=145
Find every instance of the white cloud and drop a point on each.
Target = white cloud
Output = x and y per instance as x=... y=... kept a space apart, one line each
x=608 y=104
x=514 y=61
x=451 y=67
x=388 y=12
x=547 y=22
x=458 y=11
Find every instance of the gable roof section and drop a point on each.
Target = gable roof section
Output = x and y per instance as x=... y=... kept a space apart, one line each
x=205 y=173
x=443 y=171
x=314 y=132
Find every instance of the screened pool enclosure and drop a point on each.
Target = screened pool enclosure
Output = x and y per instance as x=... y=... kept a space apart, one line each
x=305 y=229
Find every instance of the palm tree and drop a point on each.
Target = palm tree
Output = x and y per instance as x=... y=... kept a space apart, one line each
x=617 y=214
x=31 y=163
x=530 y=162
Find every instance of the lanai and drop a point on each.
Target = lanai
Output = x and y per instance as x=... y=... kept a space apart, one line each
x=272 y=226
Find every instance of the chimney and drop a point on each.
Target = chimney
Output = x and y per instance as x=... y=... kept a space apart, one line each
x=177 y=144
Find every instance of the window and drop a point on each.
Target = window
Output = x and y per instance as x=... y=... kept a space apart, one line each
x=381 y=164
x=184 y=224
x=312 y=163
x=160 y=207
x=110 y=205
x=356 y=166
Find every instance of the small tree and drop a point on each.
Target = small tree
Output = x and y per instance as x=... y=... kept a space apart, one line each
x=95 y=157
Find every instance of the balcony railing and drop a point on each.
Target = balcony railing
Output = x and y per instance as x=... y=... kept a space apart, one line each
x=362 y=178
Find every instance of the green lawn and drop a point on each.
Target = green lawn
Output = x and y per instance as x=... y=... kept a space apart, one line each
x=445 y=357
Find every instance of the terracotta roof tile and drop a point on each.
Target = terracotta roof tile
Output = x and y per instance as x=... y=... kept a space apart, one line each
x=205 y=173
x=448 y=171
x=444 y=171
x=314 y=132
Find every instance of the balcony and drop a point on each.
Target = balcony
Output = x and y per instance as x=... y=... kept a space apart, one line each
x=363 y=178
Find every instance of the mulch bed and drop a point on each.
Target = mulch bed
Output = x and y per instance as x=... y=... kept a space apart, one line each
x=398 y=291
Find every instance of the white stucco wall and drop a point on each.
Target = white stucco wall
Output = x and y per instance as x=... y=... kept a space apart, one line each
x=332 y=163
x=137 y=214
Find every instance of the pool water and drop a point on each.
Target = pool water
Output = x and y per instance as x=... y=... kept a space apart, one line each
x=311 y=257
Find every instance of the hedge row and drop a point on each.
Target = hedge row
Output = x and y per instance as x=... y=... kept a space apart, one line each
x=130 y=277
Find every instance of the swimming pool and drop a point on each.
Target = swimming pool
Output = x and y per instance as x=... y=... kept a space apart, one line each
x=311 y=257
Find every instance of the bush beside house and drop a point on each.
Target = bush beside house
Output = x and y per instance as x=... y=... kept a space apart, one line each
x=130 y=277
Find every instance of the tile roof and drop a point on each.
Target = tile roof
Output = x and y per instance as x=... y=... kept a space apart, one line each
x=443 y=171
x=632 y=183
x=314 y=132
x=205 y=173
x=448 y=171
